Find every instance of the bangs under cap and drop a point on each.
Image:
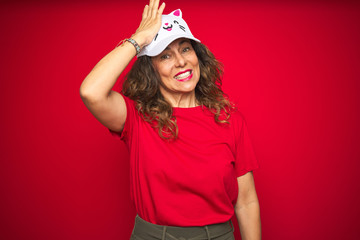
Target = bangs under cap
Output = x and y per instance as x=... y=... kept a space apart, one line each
x=172 y=28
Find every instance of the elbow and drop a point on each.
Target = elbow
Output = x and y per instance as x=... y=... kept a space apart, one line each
x=85 y=94
x=89 y=96
x=244 y=206
x=238 y=208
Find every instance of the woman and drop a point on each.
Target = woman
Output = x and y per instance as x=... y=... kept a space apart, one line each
x=190 y=155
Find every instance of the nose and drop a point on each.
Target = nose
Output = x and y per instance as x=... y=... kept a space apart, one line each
x=180 y=60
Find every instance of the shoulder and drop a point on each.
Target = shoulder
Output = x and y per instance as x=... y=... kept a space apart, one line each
x=236 y=116
x=237 y=121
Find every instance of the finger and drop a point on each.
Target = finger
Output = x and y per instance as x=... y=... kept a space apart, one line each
x=149 y=8
x=161 y=9
x=151 y=5
x=155 y=8
x=145 y=12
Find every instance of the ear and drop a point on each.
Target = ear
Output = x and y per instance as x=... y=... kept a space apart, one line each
x=176 y=13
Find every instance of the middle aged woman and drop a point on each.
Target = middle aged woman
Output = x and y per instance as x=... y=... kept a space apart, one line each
x=191 y=158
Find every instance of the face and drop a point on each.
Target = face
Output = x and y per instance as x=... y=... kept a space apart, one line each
x=178 y=67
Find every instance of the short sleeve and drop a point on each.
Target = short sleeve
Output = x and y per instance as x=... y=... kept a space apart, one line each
x=130 y=115
x=245 y=159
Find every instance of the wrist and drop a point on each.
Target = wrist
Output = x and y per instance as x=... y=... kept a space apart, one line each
x=132 y=42
x=135 y=45
x=139 y=39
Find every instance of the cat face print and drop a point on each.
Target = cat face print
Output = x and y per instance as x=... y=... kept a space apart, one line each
x=169 y=27
x=172 y=22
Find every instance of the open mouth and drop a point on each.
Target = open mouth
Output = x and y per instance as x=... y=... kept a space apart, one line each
x=184 y=75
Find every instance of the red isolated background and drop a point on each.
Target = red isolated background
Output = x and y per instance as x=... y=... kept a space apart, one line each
x=293 y=68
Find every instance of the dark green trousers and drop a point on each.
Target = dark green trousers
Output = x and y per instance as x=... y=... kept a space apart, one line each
x=144 y=230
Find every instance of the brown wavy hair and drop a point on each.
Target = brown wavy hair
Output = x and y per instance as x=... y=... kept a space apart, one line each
x=142 y=85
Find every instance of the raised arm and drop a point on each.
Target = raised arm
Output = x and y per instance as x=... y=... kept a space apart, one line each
x=247 y=208
x=106 y=105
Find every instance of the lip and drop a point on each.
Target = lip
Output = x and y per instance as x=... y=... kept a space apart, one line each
x=183 y=72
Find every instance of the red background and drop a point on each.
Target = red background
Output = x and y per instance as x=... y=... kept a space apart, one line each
x=292 y=67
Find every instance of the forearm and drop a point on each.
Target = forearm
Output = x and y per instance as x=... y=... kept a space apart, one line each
x=248 y=217
x=99 y=82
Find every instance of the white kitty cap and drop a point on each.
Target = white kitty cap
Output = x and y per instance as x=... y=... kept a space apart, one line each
x=172 y=28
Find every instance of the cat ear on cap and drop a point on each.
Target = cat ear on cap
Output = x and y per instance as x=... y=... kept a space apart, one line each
x=176 y=13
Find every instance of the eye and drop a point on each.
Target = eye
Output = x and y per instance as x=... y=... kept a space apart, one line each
x=176 y=22
x=165 y=56
x=186 y=49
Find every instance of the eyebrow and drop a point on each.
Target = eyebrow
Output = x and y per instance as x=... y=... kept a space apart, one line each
x=183 y=41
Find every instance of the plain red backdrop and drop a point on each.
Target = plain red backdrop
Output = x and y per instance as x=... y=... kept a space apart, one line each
x=292 y=67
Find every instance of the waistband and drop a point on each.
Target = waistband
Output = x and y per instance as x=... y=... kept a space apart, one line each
x=149 y=230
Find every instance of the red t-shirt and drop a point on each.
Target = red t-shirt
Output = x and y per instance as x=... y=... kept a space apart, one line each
x=190 y=181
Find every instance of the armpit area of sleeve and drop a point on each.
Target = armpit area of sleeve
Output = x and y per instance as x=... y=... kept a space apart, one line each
x=246 y=160
x=240 y=172
x=118 y=135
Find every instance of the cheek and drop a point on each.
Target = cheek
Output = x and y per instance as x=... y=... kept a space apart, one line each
x=164 y=70
x=197 y=66
x=195 y=61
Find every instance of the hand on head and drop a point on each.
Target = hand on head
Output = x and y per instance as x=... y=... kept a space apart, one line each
x=150 y=23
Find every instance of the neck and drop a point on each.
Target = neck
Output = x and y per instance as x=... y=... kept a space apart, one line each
x=182 y=100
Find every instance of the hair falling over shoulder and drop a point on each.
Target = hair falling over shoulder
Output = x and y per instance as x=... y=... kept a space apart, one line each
x=142 y=85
